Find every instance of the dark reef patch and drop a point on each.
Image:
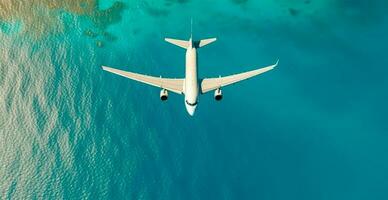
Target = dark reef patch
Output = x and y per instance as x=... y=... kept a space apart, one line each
x=162 y=9
x=176 y=1
x=239 y=1
x=103 y=18
x=293 y=12
x=154 y=11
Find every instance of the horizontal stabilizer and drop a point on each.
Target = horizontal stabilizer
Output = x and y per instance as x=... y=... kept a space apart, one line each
x=205 y=42
x=180 y=43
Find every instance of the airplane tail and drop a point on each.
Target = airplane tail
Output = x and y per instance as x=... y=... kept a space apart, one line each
x=185 y=44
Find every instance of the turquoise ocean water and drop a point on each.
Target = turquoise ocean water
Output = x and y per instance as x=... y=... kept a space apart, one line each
x=314 y=128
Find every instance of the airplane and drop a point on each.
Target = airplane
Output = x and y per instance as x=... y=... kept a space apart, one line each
x=190 y=86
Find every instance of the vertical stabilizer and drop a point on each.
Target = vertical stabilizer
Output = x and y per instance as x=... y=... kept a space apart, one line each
x=191 y=29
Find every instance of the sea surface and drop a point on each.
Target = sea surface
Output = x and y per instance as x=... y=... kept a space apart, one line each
x=316 y=127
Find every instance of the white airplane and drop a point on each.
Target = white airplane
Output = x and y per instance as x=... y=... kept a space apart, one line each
x=190 y=86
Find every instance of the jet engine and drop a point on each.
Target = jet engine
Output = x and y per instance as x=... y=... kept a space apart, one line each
x=163 y=95
x=218 y=94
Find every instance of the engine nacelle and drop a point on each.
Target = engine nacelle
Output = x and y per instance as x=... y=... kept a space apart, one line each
x=163 y=95
x=218 y=94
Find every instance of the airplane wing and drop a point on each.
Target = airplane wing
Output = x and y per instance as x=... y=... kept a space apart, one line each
x=209 y=84
x=171 y=84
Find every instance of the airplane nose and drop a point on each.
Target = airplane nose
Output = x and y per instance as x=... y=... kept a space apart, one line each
x=191 y=109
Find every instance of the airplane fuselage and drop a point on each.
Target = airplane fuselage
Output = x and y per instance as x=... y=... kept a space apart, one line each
x=191 y=86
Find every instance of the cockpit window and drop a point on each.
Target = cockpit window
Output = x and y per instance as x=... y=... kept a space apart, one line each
x=191 y=104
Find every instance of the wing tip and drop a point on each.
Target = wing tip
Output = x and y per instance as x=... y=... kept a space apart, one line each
x=105 y=68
